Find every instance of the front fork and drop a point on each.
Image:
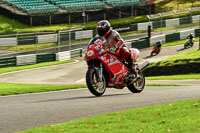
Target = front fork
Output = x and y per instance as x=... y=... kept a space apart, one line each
x=99 y=72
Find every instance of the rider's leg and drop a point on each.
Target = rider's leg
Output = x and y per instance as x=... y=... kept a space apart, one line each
x=126 y=54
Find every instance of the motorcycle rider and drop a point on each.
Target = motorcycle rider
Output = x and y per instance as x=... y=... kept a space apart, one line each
x=158 y=44
x=190 y=37
x=115 y=41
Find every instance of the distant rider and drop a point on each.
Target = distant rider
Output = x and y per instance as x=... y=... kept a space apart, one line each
x=190 y=37
x=115 y=41
x=158 y=44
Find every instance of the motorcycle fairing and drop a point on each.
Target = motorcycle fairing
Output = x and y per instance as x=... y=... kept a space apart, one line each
x=115 y=68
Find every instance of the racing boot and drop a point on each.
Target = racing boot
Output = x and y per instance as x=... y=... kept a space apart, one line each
x=131 y=65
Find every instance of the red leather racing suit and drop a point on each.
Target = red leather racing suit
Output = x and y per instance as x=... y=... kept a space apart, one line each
x=114 y=40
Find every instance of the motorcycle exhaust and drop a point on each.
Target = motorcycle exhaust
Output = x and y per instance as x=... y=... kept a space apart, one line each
x=144 y=65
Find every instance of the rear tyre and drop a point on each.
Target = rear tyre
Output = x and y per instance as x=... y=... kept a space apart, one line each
x=95 y=87
x=138 y=85
x=152 y=53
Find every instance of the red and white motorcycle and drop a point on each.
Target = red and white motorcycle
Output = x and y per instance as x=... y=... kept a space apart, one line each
x=107 y=69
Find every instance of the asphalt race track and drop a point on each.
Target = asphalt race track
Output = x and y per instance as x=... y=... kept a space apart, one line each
x=22 y=112
x=35 y=110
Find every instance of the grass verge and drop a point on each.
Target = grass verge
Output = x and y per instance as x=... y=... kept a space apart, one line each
x=18 y=68
x=175 y=77
x=180 y=42
x=170 y=5
x=176 y=117
x=13 y=89
x=192 y=56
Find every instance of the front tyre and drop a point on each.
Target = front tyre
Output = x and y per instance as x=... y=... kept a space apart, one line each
x=95 y=87
x=138 y=85
x=185 y=45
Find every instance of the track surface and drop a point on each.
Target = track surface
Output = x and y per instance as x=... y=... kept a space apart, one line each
x=34 y=110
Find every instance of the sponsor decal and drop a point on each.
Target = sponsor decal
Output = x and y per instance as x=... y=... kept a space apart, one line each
x=90 y=53
x=111 y=59
x=96 y=48
x=112 y=63
x=123 y=29
x=102 y=58
x=120 y=76
x=110 y=84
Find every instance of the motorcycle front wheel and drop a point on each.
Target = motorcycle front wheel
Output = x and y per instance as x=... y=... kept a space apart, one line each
x=138 y=85
x=95 y=87
x=186 y=45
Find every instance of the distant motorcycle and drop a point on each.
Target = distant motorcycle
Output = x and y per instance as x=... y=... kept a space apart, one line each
x=189 y=43
x=155 y=51
x=108 y=69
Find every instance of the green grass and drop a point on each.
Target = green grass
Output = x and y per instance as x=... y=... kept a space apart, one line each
x=175 y=77
x=10 y=25
x=12 y=88
x=176 y=117
x=180 y=42
x=182 y=58
x=170 y=5
x=18 y=68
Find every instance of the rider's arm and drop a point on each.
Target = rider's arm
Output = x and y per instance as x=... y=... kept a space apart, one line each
x=119 y=40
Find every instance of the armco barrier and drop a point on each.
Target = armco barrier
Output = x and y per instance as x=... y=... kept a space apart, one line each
x=185 y=20
x=33 y=58
x=76 y=53
x=8 y=62
x=50 y=38
x=141 y=44
x=196 y=18
x=172 y=37
x=172 y=22
x=26 y=39
x=61 y=56
x=159 y=24
x=8 y=41
x=83 y=34
x=46 y=58
x=134 y=27
x=144 y=26
x=197 y=32
x=26 y=59
x=65 y=36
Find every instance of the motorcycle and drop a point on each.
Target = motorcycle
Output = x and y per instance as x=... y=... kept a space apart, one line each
x=107 y=69
x=155 y=50
x=189 y=43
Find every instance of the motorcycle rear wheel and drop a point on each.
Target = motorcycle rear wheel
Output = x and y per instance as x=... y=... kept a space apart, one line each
x=138 y=85
x=152 y=53
x=95 y=87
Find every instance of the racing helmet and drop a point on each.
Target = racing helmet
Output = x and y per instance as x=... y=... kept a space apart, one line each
x=103 y=28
